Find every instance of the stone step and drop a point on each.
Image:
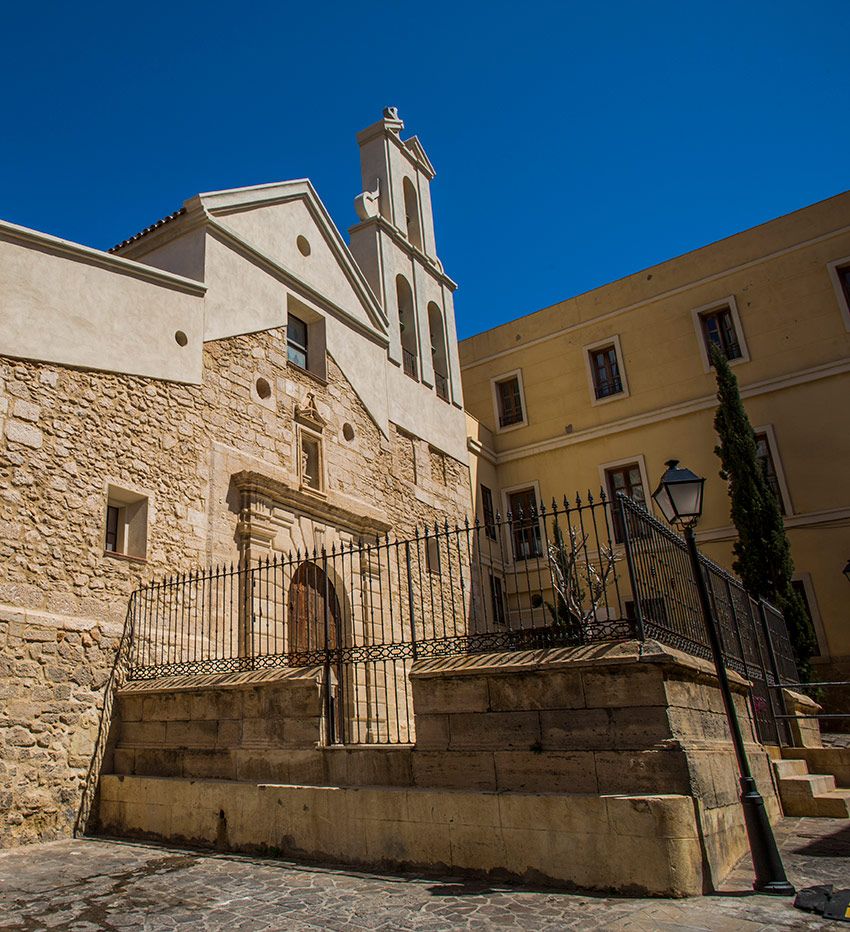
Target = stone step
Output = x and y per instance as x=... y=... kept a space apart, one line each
x=807 y=785
x=790 y=768
x=813 y=794
x=833 y=805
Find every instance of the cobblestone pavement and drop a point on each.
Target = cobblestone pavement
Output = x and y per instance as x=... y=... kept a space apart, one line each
x=93 y=884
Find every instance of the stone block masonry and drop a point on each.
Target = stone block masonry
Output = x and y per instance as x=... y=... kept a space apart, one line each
x=52 y=676
x=640 y=845
x=597 y=731
x=66 y=436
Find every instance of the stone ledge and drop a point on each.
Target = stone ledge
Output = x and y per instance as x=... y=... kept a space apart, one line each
x=220 y=680
x=611 y=653
x=645 y=844
x=41 y=618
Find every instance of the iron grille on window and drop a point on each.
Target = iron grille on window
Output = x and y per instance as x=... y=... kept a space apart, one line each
x=606 y=371
x=719 y=329
x=296 y=341
x=510 y=402
x=442 y=385
x=409 y=363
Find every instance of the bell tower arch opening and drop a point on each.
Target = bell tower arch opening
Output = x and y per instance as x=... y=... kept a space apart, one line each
x=407 y=327
x=412 y=220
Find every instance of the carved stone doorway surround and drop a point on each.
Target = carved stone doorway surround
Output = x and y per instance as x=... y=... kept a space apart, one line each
x=275 y=518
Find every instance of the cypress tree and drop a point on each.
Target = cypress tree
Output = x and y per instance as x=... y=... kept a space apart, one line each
x=762 y=553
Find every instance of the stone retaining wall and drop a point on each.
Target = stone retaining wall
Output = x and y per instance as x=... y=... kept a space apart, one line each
x=640 y=845
x=623 y=719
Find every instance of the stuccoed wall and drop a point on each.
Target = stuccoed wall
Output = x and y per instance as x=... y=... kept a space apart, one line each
x=797 y=331
x=64 y=435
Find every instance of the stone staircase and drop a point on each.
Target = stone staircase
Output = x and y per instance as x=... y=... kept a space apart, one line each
x=810 y=794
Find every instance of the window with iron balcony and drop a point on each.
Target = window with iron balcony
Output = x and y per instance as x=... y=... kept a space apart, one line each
x=606 y=371
x=718 y=328
x=510 y=402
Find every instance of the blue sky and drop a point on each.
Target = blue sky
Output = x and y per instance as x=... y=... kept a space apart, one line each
x=574 y=142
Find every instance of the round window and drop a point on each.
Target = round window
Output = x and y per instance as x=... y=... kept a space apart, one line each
x=181 y=338
x=264 y=390
x=303 y=245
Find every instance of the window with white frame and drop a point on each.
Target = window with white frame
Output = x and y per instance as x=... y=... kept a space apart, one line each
x=767 y=464
x=497 y=600
x=126 y=523
x=606 y=371
x=718 y=326
x=508 y=400
x=524 y=524
x=770 y=463
x=840 y=273
x=718 y=330
x=489 y=512
x=628 y=479
x=803 y=587
x=843 y=273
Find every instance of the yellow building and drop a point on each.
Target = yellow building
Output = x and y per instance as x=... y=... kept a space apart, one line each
x=600 y=389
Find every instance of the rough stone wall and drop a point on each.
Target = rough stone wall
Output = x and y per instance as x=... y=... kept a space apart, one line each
x=66 y=434
x=52 y=677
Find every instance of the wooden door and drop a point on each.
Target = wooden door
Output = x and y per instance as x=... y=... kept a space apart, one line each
x=309 y=591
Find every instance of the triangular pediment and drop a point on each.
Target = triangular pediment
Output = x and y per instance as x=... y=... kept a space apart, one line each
x=418 y=152
x=286 y=227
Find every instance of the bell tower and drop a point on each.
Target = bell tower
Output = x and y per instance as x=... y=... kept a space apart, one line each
x=394 y=245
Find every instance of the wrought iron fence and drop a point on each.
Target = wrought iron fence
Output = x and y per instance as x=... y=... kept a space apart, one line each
x=666 y=607
x=362 y=611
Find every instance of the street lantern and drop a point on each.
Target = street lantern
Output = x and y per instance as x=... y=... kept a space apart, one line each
x=679 y=495
x=847 y=571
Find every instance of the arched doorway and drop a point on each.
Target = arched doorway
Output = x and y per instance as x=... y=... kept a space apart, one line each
x=309 y=592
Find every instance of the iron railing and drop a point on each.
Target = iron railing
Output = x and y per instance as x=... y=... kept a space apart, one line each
x=361 y=611
x=364 y=610
x=753 y=633
x=410 y=363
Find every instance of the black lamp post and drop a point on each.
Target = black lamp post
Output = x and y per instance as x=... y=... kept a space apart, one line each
x=679 y=496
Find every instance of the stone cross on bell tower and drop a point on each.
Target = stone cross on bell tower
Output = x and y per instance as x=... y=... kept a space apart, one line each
x=394 y=245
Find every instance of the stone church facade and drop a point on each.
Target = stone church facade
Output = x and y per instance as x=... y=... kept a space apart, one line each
x=232 y=383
